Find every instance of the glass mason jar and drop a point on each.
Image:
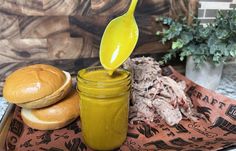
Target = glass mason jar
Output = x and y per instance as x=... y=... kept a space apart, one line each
x=104 y=107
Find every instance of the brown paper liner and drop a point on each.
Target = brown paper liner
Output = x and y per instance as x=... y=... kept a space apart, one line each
x=216 y=133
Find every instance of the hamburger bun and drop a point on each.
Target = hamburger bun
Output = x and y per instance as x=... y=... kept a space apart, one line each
x=55 y=116
x=37 y=86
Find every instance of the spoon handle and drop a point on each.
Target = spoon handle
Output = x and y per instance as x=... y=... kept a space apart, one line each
x=132 y=7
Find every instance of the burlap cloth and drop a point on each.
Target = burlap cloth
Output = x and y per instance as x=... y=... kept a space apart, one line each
x=216 y=133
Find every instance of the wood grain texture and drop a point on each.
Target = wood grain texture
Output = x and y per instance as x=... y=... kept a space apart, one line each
x=9 y=27
x=69 y=48
x=42 y=27
x=115 y=8
x=66 y=7
x=90 y=29
x=23 y=7
x=19 y=50
x=9 y=7
x=59 y=7
x=148 y=41
x=153 y=7
x=184 y=8
x=46 y=7
x=31 y=7
x=109 y=8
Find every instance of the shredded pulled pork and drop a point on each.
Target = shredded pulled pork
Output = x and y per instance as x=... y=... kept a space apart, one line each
x=155 y=95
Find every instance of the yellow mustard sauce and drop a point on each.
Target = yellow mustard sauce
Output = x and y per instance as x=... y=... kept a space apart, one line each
x=104 y=106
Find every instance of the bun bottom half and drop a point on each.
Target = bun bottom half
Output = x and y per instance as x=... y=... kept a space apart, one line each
x=55 y=116
x=35 y=123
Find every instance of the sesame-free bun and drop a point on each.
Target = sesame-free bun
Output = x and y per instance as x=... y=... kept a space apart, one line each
x=55 y=116
x=36 y=86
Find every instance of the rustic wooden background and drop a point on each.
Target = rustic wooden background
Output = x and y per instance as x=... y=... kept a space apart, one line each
x=67 y=33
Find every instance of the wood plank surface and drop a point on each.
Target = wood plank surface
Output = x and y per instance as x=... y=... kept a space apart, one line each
x=115 y=8
x=69 y=48
x=9 y=27
x=42 y=26
x=46 y=7
x=20 y=50
x=66 y=7
x=23 y=7
x=59 y=7
x=109 y=8
x=95 y=7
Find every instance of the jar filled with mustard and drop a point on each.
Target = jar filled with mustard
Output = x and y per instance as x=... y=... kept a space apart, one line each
x=104 y=107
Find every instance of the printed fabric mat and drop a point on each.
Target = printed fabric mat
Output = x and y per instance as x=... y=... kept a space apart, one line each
x=217 y=133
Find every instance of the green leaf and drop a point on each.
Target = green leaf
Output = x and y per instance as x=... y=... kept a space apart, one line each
x=161 y=62
x=226 y=53
x=167 y=21
x=232 y=53
x=222 y=33
x=232 y=49
x=173 y=31
x=158 y=33
x=185 y=52
x=233 y=23
x=215 y=58
x=213 y=49
x=163 y=40
x=204 y=32
x=192 y=48
x=212 y=40
x=178 y=44
x=186 y=37
x=203 y=49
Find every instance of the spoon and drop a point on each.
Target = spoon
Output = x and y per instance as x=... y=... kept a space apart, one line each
x=119 y=40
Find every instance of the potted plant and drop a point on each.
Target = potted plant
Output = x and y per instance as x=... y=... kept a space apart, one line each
x=206 y=47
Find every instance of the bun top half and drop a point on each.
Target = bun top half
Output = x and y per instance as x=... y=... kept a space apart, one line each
x=32 y=83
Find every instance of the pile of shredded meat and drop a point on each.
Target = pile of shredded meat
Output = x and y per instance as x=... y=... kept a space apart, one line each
x=155 y=95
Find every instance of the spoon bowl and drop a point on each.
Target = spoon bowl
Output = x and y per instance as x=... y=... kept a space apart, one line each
x=119 y=40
